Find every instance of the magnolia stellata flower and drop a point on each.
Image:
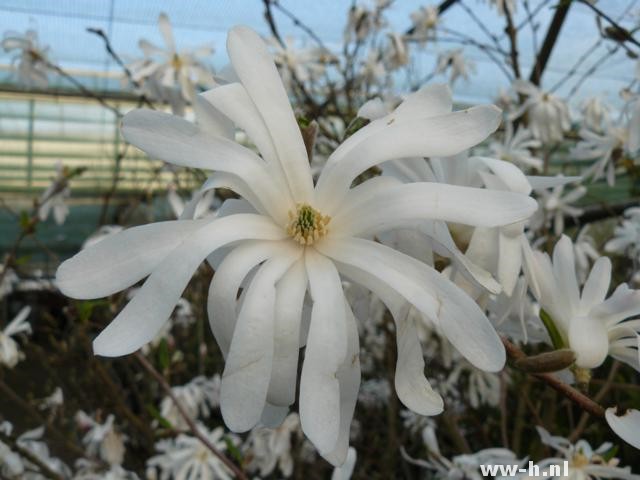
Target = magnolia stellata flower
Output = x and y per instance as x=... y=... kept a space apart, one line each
x=167 y=70
x=594 y=113
x=300 y=237
x=424 y=23
x=587 y=323
x=584 y=462
x=101 y=440
x=268 y=448
x=303 y=64
x=10 y=355
x=517 y=148
x=626 y=236
x=548 y=115
x=14 y=466
x=457 y=64
x=396 y=54
x=53 y=199
x=555 y=204
x=196 y=398
x=29 y=58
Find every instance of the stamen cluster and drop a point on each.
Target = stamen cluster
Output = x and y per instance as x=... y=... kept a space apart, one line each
x=307 y=224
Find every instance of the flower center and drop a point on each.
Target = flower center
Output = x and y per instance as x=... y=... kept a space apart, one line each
x=176 y=62
x=306 y=224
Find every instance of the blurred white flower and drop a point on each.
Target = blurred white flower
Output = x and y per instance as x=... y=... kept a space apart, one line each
x=396 y=53
x=303 y=64
x=28 y=57
x=306 y=235
x=554 y=205
x=424 y=23
x=548 y=115
x=197 y=398
x=186 y=457
x=584 y=461
x=268 y=448
x=8 y=281
x=53 y=401
x=587 y=323
x=595 y=113
x=10 y=354
x=517 y=148
x=375 y=392
x=88 y=470
x=171 y=74
x=101 y=440
x=456 y=63
x=626 y=236
x=55 y=196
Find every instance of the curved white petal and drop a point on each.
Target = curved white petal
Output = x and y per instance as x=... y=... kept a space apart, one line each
x=290 y=293
x=245 y=381
x=325 y=352
x=597 y=285
x=144 y=316
x=412 y=387
x=120 y=260
x=458 y=316
x=349 y=378
x=626 y=426
x=182 y=143
x=164 y=24
x=439 y=136
x=401 y=205
x=257 y=72
x=509 y=259
x=223 y=291
x=211 y=120
x=564 y=270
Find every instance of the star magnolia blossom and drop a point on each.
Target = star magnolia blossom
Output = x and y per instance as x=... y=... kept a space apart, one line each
x=301 y=237
x=29 y=58
x=588 y=324
x=10 y=354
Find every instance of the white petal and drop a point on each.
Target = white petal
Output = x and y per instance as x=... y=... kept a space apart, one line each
x=626 y=426
x=325 y=353
x=459 y=317
x=589 y=340
x=346 y=470
x=223 y=291
x=211 y=119
x=120 y=260
x=182 y=143
x=167 y=32
x=624 y=303
x=412 y=387
x=439 y=136
x=257 y=72
x=245 y=380
x=510 y=174
x=273 y=415
x=145 y=315
x=564 y=270
x=349 y=379
x=597 y=284
x=509 y=260
x=401 y=205
x=289 y=301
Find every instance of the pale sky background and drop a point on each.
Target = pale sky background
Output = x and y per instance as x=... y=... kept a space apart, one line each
x=62 y=23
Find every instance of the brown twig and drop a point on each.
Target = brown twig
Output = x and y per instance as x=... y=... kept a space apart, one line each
x=549 y=42
x=192 y=426
x=30 y=456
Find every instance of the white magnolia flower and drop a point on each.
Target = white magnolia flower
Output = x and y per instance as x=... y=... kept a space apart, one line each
x=270 y=448
x=28 y=57
x=626 y=236
x=101 y=440
x=53 y=199
x=168 y=71
x=595 y=113
x=10 y=354
x=548 y=116
x=609 y=147
x=457 y=64
x=302 y=237
x=424 y=23
x=362 y=21
x=587 y=323
x=304 y=64
x=197 y=398
x=584 y=462
x=466 y=466
x=555 y=204
x=186 y=457
x=396 y=53
x=517 y=148
x=8 y=281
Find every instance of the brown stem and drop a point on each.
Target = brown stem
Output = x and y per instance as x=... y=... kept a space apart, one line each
x=192 y=426
x=31 y=457
x=549 y=41
x=513 y=42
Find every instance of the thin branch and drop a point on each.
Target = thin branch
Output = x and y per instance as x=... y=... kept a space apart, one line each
x=298 y=23
x=192 y=426
x=622 y=34
x=549 y=42
x=513 y=43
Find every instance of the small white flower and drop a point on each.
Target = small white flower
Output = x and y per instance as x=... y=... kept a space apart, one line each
x=186 y=457
x=53 y=199
x=554 y=205
x=304 y=64
x=303 y=237
x=517 y=148
x=101 y=440
x=584 y=461
x=29 y=58
x=197 y=398
x=457 y=64
x=424 y=23
x=626 y=236
x=271 y=448
x=396 y=53
x=595 y=113
x=10 y=354
x=588 y=324
x=548 y=115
